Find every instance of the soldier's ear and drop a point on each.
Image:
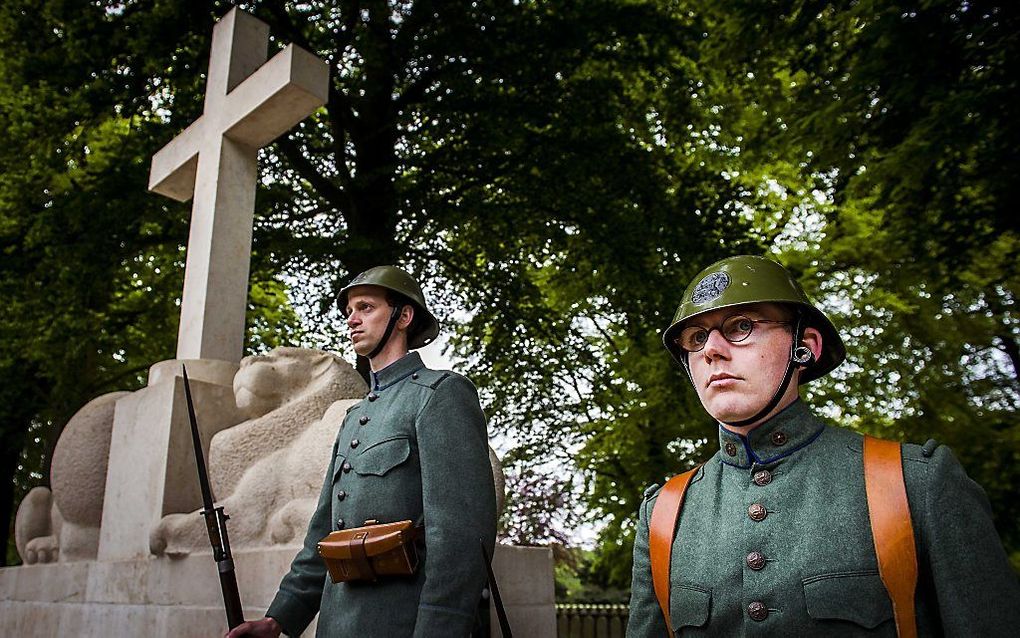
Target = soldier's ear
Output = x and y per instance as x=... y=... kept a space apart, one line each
x=406 y=317
x=812 y=340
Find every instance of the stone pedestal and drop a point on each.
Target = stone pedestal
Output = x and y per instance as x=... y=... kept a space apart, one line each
x=154 y=472
x=167 y=598
x=526 y=585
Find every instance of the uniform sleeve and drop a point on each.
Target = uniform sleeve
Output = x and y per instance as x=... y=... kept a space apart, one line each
x=300 y=593
x=459 y=504
x=646 y=619
x=978 y=594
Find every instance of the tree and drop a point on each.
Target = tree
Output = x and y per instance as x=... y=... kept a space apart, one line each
x=90 y=265
x=506 y=151
x=897 y=125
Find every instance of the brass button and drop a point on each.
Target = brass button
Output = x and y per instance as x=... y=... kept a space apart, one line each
x=758 y=611
x=778 y=438
x=339 y=523
x=730 y=449
x=347 y=468
x=373 y=396
x=355 y=443
x=341 y=495
x=363 y=420
x=762 y=478
x=757 y=512
x=756 y=561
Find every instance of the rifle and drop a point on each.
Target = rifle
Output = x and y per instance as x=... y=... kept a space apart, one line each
x=216 y=522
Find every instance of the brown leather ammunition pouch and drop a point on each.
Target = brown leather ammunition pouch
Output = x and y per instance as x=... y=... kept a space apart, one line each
x=371 y=551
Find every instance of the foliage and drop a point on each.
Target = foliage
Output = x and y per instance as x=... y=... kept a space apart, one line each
x=556 y=172
x=902 y=120
x=90 y=265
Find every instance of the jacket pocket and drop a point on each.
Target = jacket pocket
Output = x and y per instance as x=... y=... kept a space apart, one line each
x=379 y=458
x=689 y=606
x=857 y=597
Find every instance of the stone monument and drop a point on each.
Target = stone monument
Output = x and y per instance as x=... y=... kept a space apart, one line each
x=115 y=549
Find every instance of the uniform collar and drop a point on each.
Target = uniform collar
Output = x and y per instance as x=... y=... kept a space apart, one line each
x=788 y=431
x=402 y=367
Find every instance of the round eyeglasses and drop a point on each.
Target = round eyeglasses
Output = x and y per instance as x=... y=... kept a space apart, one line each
x=734 y=329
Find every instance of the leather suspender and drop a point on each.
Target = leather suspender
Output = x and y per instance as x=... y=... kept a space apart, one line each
x=661 y=530
x=891 y=530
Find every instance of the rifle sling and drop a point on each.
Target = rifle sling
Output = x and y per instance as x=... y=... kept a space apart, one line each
x=661 y=531
x=891 y=529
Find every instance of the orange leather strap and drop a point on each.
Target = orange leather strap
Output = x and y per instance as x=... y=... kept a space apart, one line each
x=891 y=529
x=661 y=529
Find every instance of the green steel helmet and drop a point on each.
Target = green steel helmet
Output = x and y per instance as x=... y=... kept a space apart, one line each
x=746 y=279
x=399 y=281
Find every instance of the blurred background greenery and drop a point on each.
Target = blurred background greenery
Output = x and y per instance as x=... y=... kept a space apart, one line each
x=557 y=172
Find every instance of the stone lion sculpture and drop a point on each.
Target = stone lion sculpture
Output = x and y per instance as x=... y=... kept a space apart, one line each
x=62 y=522
x=267 y=471
x=262 y=470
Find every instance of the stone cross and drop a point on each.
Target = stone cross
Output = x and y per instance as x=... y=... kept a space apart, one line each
x=248 y=103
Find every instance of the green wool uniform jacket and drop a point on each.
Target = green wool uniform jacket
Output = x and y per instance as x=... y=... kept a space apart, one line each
x=414 y=449
x=775 y=540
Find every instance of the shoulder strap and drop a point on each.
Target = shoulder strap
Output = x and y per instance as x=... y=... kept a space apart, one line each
x=891 y=529
x=661 y=529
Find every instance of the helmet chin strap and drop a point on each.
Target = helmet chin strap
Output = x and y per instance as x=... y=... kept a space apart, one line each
x=800 y=357
x=394 y=315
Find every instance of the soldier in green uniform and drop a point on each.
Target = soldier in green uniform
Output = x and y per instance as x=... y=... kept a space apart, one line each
x=773 y=536
x=414 y=449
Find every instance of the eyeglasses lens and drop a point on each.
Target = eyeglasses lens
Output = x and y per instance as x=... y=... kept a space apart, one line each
x=734 y=329
x=737 y=328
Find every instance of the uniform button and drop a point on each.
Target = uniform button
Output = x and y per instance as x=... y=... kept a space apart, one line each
x=758 y=611
x=347 y=468
x=373 y=396
x=762 y=478
x=355 y=443
x=730 y=448
x=756 y=561
x=778 y=438
x=363 y=420
x=339 y=523
x=757 y=512
x=415 y=376
x=341 y=495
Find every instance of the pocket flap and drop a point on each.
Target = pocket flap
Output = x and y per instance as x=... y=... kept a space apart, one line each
x=858 y=597
x=338 y=465
x=689 y=606
x=379 y=458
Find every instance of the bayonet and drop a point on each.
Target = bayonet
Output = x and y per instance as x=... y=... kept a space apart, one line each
x=216 y=523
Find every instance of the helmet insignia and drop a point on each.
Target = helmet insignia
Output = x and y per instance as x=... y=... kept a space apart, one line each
x=710 y=288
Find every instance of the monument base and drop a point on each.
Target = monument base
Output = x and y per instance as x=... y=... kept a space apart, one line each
x=170 y=597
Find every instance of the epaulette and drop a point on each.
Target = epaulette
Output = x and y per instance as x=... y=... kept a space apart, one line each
x=651 y=490
x=928 y=449
x=429 y=378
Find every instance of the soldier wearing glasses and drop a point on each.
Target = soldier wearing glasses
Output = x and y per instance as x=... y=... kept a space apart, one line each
x=773 y=536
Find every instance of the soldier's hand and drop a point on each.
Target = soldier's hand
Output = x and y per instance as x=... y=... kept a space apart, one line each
x=262 y=628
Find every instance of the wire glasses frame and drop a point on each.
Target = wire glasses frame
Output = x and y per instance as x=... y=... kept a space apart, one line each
x=734 y=329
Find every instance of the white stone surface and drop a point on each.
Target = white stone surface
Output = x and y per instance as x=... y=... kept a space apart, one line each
x=267 y=470
x=526 y=584
x=248 y=103
x=152 y=469
x=167 y=598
